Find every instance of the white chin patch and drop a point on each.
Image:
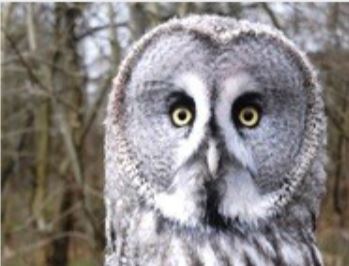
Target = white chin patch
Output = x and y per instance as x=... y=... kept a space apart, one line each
x=184 y=201
x=242 y=199
x=178 y=207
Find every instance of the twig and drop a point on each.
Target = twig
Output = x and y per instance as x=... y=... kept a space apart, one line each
x=337 y=124
x=42 y=243
x=33 y=76
x=7 y=170
x=272 y=15
x=94 y=110
x=31 y=218
x=69 y=143
x=94 y=30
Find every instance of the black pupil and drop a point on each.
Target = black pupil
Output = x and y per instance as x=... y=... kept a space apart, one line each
x=248 y=115
x=182 y=115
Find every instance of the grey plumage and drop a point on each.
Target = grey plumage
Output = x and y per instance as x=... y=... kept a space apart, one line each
x=214 y=192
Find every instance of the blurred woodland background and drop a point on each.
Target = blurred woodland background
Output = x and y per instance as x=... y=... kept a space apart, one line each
x=57 y=62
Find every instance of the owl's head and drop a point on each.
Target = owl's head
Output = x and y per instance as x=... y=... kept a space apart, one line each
x=214 y=121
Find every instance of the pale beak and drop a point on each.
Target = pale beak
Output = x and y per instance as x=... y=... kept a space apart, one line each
x=212 y=157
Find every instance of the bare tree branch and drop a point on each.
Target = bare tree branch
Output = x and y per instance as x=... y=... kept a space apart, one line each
x=94 y=110
x=96 y=29
x=337 y=124
x=272 y=15
x=6 y=171
x=42 y=243
x=33 y=77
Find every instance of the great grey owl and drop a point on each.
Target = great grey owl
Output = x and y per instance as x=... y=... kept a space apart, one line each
x=214 y=148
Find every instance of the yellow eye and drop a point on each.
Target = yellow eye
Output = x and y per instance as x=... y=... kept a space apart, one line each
x=249 y=116
x=181 y=116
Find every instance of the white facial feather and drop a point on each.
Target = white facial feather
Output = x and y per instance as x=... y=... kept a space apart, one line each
x=178 y=207
x=182 y=201
x=232 y=89
x=240 y=196
x=292 y=252
x=195 y=88
x=147 y=226
x=209 y=255
x=178 y=257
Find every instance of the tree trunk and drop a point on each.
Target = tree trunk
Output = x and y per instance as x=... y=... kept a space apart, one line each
x=70 y=122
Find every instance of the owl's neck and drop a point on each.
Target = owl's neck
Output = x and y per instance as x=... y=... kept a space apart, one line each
x=151 y=240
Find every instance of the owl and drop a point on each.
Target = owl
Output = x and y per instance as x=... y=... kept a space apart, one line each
x=214 y=148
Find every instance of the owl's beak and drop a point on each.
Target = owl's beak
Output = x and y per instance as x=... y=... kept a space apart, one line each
x=212 y=157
